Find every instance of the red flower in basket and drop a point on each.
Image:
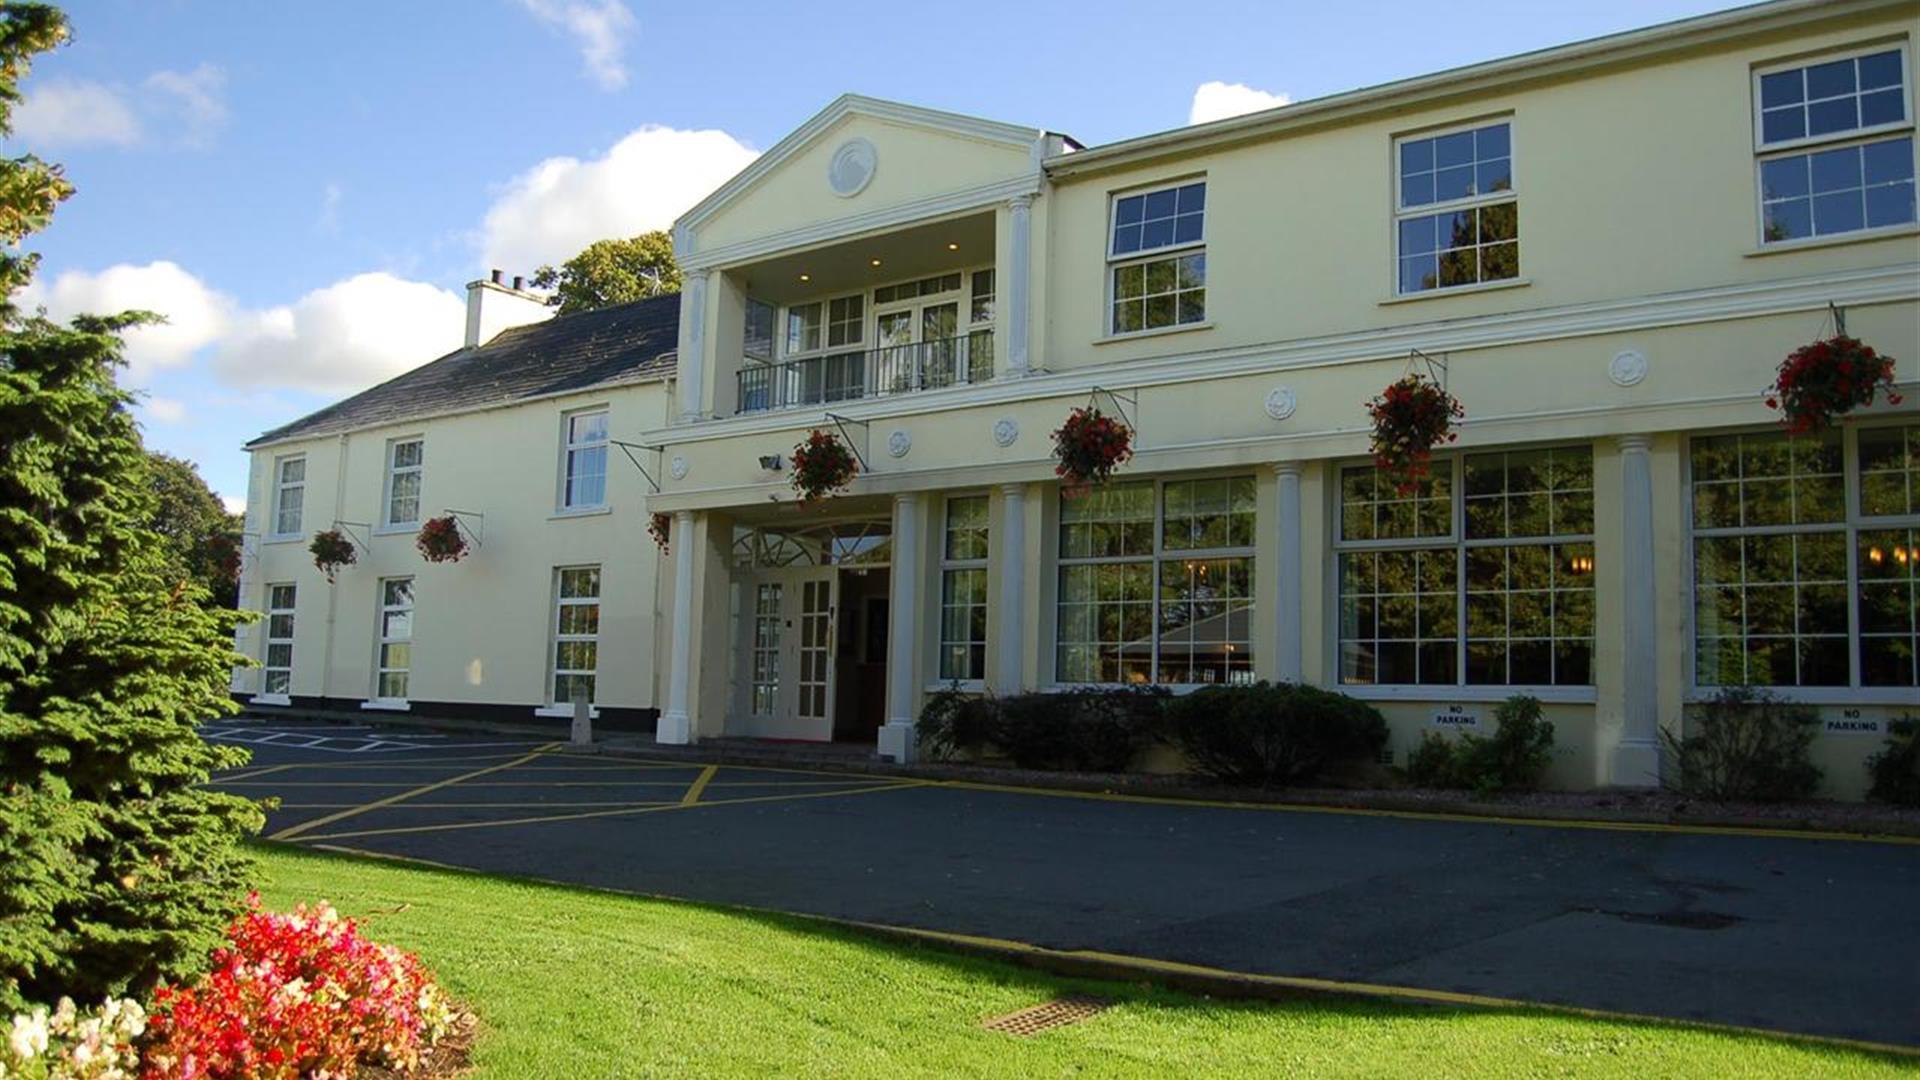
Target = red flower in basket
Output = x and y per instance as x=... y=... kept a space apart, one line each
x=822 y=465
x=1826 y=379
x=331 y=550
x=440 y=540
x=660 y=527
x=1410 y=418
x=1088 y=447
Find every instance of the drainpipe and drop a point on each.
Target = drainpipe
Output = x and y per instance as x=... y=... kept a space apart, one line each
x=333 y=591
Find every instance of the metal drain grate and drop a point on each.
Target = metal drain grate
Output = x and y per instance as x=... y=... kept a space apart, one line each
x=1049 y=1015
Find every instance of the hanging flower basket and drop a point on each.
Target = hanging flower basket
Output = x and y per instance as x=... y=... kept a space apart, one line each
x=822 y=466
x=660 y=527
x=1088 y=447
x=441 y=540
x=331 y=550
x=1410 y=418
x=1826 y=379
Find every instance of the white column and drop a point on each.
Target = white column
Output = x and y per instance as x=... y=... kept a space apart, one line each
x=1011 y=553
x=896 y=735
x=1018 y=287
x=675 y=725
x=693 y=346
x=1636 y=760
x=1287 y=601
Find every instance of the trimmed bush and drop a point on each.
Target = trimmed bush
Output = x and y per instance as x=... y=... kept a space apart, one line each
x=954 y=721
x=1745 y=743
x=1896 y=768
x=1514 y=758
x=1272 y=734
x=1080 y=730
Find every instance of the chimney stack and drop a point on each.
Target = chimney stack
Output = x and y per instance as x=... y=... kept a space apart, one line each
x=493 y=306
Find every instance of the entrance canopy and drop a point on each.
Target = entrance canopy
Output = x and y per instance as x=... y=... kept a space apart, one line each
x=855 y=542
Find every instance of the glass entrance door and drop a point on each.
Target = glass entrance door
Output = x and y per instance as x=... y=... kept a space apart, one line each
x=787 y=639
x=918 y=346
x=814 y=687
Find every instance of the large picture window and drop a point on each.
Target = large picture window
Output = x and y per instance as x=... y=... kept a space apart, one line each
x=1835 y=144
x=1457 y=221
x=1156 y=583
x=1801 y=579
x=576 y=633
x=1483 y=576
x=1158 y=259
x=963 y=590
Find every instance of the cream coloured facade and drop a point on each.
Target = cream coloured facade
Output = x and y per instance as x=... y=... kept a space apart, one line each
x=1604 y=250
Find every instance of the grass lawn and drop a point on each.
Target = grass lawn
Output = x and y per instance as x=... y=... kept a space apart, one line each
x=571 y=983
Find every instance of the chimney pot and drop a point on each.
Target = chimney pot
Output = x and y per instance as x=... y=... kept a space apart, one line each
x=496 y=277
x=519 y=283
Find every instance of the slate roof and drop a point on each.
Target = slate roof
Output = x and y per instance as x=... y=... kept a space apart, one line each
x=622 y=344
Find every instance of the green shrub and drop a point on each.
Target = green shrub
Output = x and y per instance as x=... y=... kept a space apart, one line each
x=952 y=721
x=1896 y=768
x=1272 y=734
x=1745 y=743
x=1093 y=730
x=1514 y=758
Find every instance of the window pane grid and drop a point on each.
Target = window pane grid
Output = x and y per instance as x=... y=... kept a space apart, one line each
x=586 y=465
x=395 y=657
x=404 y=464
x=290 y=493
x=1460 y=247
x=963 y=589
x=1832 y=98
x=576 y=633
x=1160 y=293
x=1157 y=219
x=1841 y=190
x=277 y=673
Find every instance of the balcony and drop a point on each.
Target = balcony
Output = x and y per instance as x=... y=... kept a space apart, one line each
x=852 y=376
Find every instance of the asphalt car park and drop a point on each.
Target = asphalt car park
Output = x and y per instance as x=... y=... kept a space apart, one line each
x=1805 y=934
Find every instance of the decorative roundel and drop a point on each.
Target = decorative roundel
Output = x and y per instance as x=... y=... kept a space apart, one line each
x=1005 y=431
x=678 y=467
x=1281 y=402
x=1628 y=367
x=899 y=443
x=851 y=168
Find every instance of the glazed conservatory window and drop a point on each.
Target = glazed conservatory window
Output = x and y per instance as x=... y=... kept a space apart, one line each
x=576 y=633
x=1782 y=565
x=963 y=590
x=1156 y=250
x=1506 y=599
x=277 y=670
x=1156 y=583
x=1457 y=222
x=1834 y=179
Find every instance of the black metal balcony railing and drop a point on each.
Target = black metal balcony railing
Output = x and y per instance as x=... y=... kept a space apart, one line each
x=897 y=369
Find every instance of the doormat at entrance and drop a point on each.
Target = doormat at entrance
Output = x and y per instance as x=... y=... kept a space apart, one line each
x=1046 y=1016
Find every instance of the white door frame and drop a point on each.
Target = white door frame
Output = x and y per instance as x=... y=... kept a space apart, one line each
x=790 y=717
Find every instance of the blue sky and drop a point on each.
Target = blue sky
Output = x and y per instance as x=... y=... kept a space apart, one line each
x=304 y=188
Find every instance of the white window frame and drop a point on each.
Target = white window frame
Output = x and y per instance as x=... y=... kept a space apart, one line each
x=1159 y=556
x=555 y=638
x=387 y=521
x=1853 y=523
x=1143 y=256
x=382 y=609
x=568 y=448
x=1402 y=212
x=268 y=668
x=280 y=489
x=1764 y=152
x=1455 y=540
x=949 y=565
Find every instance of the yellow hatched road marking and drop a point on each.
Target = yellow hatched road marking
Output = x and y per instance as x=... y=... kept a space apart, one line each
x=248 y=774
x=601 y=813
x=481 y=805
x=292 y=831
x=699 y=784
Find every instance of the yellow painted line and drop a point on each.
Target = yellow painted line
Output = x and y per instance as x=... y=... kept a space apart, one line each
x=601 y=813
x=295 y=830
x=248 y=774
x=699 y=784
x=1128 y=968
x=481 y=805
x=482 y=784
x=1757 y=831
x=460 y=762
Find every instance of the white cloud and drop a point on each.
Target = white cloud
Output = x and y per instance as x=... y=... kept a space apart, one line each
x=165 y=410
x=1218 y=100
x=195 y=98
x=72 y=112
x=598 y=27
x=561 y=205
x=329 y=220
x=344 y=337
x=196 y=315
x=235 y=504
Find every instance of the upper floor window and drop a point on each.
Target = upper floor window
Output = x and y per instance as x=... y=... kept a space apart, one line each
x=757 y=336
x=1158 y=259
x=289 y=494
x=981 y=310
x=803 y=328
x=405 y=459
x=1834 y=177
x=845 y=318
x=585 y=484
x=1456 y=219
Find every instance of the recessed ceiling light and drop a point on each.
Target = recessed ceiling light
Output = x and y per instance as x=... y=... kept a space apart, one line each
x=806 y=277
x=953 y=247
x=876 y=262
